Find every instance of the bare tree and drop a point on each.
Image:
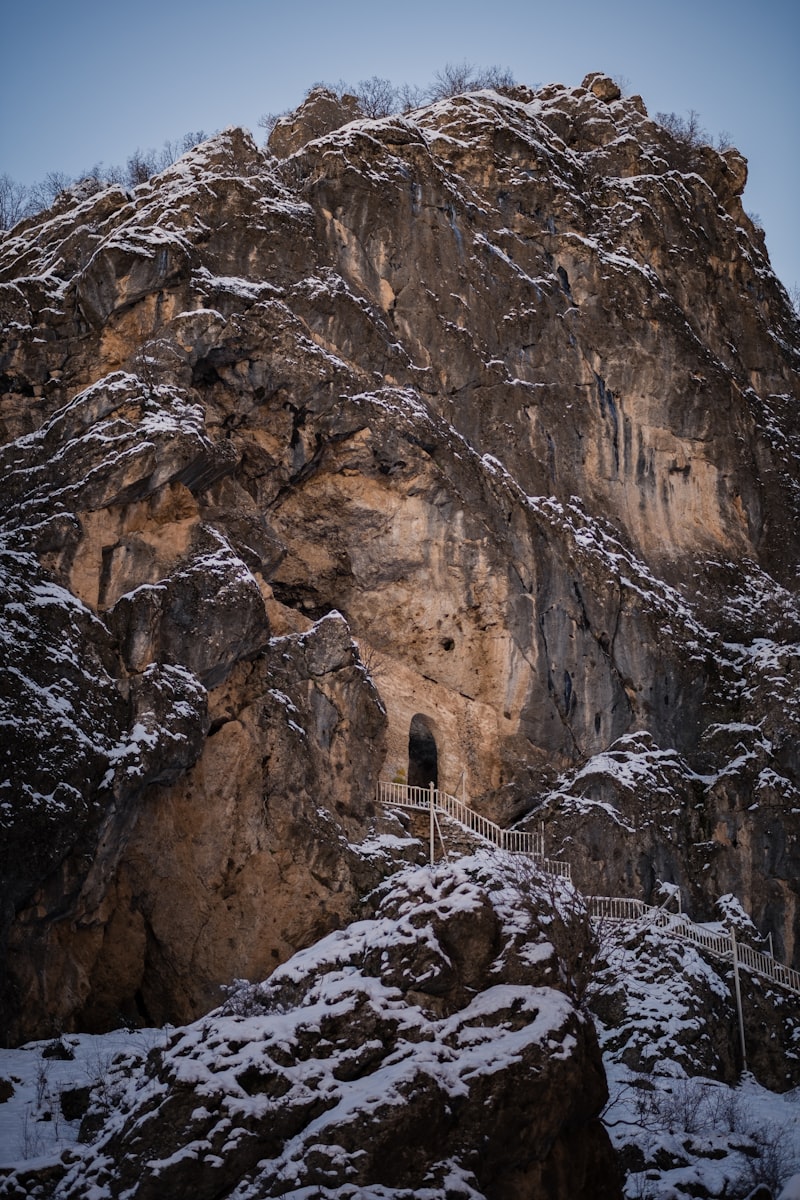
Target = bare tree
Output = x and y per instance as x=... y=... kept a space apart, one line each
x=14 y=201
x=377 y=97
x=775 y=1160
x=171 y=151
x=687 y=130
x=47 y=190
x=143 y=164
x=496 y=77
x=410 y=96
x=109 y=175
x=268 y=121
x=18 y=201
x=191 y=139
x=456 y=78
x=140 y=166
x=453 y=79
x=686 y=138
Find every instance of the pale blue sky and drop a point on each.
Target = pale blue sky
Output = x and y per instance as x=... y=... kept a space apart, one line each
x=91 y=80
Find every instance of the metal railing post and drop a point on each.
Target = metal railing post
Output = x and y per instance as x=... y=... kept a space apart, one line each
x=738 y=997
x=433 y=819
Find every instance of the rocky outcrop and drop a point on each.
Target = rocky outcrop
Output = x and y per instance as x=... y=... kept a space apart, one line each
x=666 y=1008
x=637 y=815
x=321 y=112
x=683 y=1117
x=507 y=382
x=151 y=710
x=427 y=1049
x=260 y=847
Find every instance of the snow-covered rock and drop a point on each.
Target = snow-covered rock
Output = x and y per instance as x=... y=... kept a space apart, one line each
x=685 y=1120
x=426 y=1050
x=508 y=383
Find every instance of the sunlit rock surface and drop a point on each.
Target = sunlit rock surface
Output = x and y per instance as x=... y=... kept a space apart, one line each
x=506 y=382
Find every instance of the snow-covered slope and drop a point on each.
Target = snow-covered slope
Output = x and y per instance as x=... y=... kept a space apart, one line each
x=430 y=1049
x=683 y=1119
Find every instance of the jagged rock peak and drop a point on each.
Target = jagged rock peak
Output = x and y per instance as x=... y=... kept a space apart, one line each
x=321 y=112
x=602 y=86
x=588 y=116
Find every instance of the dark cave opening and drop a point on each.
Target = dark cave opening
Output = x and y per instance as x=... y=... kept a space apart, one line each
x=423 y=756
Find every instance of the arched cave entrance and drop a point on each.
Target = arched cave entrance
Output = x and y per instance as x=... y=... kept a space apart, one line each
x=423 y=757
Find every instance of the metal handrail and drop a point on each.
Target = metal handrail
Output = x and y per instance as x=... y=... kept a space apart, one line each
x=514 y=841
x=720 y=943
x=611 y=908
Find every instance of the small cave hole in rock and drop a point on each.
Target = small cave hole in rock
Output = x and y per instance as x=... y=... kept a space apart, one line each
x=423 y=757
x=142 y=1009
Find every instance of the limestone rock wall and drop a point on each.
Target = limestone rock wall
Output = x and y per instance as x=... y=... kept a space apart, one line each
x=254 y=851
x=506 y=382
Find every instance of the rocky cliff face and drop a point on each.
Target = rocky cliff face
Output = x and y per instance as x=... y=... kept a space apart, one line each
x=428 y=1050
x=500 y=399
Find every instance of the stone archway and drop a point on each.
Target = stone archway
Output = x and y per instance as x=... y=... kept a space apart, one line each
x=423 y=755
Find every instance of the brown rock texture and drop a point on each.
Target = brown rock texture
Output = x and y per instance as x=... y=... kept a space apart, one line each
x=427 y=1050
x=508 y=384
x=225 y=872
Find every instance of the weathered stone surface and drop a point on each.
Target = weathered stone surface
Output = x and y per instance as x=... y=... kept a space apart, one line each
x=372 y=376
x=426 y=1047
x=602 y=86
x=208 y=615
x=321 y=112
x=638 y=814
x=226 y=871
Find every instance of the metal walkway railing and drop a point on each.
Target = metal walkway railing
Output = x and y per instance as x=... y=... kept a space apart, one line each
x=721 y=943
x=426 y=799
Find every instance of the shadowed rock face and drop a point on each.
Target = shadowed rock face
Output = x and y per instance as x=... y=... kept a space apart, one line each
x=428 y=1049
x=506 y=382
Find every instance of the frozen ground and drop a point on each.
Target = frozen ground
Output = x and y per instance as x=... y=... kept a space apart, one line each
x=682 y=1137
x=679 y=1129
x=39 y=1075
x=678 y=1136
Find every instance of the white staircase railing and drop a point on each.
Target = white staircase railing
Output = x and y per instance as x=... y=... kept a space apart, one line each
x=616 y=908
x=514 y=841
x=719 y=942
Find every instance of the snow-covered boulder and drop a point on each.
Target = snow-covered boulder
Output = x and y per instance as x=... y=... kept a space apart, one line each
x=427 y=1050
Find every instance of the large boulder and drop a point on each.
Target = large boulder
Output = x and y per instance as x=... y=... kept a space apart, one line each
x=426 y=1049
